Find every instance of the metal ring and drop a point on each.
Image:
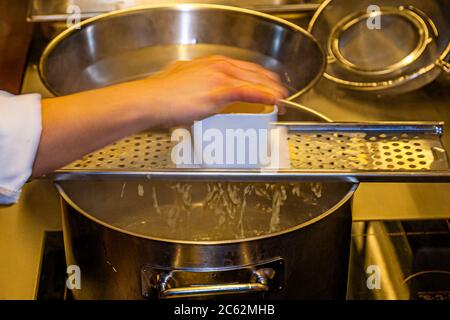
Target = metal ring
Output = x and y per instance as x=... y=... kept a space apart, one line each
x=345 y=24
x=392 y=83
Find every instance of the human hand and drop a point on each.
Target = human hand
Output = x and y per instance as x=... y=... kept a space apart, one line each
x=186 y=91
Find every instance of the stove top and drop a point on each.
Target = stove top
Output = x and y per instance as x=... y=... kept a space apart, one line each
x=411 y=258
x=392 y=257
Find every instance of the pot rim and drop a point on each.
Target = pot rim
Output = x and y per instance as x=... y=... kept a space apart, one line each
x=179 y=7
x=325 y=214
x=340 y=203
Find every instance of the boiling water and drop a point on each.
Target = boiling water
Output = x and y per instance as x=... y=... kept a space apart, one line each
x=224 y=211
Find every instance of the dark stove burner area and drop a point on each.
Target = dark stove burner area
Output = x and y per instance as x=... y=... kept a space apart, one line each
x=52 y=276
x=411 y=258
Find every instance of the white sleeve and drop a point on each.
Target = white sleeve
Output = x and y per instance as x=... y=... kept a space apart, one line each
x=20 y=131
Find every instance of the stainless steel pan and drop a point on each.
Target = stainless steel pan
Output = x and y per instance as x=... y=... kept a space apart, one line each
x=134 y=43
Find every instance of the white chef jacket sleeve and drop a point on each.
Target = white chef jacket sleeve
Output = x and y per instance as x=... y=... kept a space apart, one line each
x=20 y=131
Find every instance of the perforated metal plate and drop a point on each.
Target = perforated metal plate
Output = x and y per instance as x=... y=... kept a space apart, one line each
x=145 y=151
x=361 y=151
x=336 y=149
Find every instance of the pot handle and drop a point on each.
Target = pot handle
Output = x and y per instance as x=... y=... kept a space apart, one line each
x=259 y=283
x=442 y=61
x=263 y=278
x=444 y=65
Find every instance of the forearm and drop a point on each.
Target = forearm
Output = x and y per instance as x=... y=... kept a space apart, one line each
x=75 y=125
x=183 y=92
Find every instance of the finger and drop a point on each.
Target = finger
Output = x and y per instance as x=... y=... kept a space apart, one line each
x=281 y=108
x=250 y=66
x=257 y=86
x=253 y=77
x=241 y=70
x=255 y=68
x=257 y=77
x=246 y=92
x=175 y=65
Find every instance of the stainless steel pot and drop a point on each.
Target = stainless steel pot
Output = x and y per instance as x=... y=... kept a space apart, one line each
x=133 y=43
x=169 y=239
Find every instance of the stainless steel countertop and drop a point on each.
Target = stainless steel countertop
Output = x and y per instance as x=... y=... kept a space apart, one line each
x=22 y=226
